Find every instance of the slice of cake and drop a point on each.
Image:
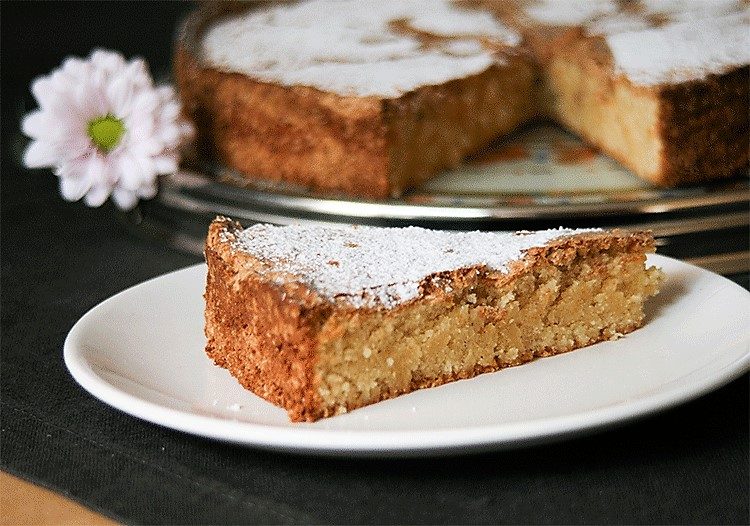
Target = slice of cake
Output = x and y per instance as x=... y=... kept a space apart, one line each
x=325 y=320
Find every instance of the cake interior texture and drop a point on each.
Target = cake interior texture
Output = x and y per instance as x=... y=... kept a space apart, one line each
x=672 y=134
x=321 y=357
x=483 y=325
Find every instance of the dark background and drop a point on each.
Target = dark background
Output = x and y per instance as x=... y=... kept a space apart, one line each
x=687 y=465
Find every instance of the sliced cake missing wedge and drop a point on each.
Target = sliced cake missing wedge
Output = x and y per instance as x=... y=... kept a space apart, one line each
x=325 y=320
x=373 y=98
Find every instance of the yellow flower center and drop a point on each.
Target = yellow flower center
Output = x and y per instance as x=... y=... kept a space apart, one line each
x=106 y=132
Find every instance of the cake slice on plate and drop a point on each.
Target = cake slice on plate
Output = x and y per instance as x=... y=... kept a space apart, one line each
x=325 y=320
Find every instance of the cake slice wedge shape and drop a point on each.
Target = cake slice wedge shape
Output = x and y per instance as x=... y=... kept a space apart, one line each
x=324 y=320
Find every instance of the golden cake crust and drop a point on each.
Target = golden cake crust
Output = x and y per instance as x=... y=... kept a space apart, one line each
x=360 y=146
x=269 y=331
x=297 y=134
x=277 y=360
x=706 y=127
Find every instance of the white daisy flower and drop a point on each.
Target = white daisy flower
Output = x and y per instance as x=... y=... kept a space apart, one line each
x=104 y=129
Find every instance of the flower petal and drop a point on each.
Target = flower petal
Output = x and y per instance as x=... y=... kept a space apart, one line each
x=39 y=155
x=146 y=101
x=144 y=132
x=187 y=130
x=170 y=135
x=141 y=172
x=97 y=195
x=76 y=68
x=78 y=145
x=120 y=95
x=35 y=124
x=166 y=92
x=125 y=199
x=130 y=174
x=73 y=188
x=43 y=91
x=165 y=164
x=100 y=171
x=137 y=71
x=148 y=191
x=108 y=61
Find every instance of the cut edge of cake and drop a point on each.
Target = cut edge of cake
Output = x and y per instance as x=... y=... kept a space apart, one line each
x=317 y=357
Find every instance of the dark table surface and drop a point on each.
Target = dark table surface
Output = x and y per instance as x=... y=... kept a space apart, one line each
x=686 y=465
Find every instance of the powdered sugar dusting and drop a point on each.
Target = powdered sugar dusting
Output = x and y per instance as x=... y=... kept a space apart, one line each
x=351 y=47
x=682 y=51
x=569 y=12
x=368 y=266
x=660 y=41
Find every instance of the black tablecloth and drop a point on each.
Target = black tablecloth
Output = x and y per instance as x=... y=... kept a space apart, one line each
x=687 y=465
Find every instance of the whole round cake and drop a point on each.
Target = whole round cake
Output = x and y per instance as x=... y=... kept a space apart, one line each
x=371 y=98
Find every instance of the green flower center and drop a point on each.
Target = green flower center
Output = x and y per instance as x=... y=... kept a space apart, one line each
x=106 y=132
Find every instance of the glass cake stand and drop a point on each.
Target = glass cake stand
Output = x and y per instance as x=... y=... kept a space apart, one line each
x=539 y=178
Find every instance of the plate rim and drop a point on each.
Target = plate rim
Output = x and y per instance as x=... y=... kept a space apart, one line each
x=392 y=443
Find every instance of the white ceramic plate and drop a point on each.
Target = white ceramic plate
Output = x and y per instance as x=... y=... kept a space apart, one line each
x=141 y=351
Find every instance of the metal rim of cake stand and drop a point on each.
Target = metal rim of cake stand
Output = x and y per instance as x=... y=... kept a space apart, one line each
x=179 y=214
x=222 y=189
